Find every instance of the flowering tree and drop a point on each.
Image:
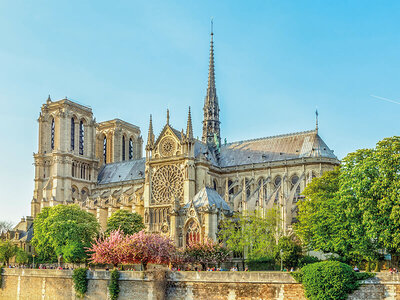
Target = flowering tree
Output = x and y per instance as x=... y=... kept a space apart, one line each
x=148 y=248
x=136 y=248
x=206 y=252
x=109 y=250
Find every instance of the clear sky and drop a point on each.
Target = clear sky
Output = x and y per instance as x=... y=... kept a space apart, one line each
x=276 y=61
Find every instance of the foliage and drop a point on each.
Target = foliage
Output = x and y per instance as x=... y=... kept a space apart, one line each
x=113 y=287
x=21 y=257
x=206 y=252
x=329 y=280
x=289 y=251
x=306 y=260
x=139 y=247
x=79 y=277
x=126 y=221
x=109 y=250
x=64 y=230
x=5 y=226
x=7 y=251
x=252 y=233
x=261 y=264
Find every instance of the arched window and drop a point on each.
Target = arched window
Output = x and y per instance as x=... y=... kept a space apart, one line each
x=248 y=191
x=105 y=149
x=277 y=183
x=230 y=188
x=130 y=149
x=215 y=184
x=123 y=147
x=53 y=129
x=73 y=170
x=192 y=232
x=72 y=134
x=81 y=137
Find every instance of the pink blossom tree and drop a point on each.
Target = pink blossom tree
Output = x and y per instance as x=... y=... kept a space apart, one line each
x=206 y=252
x=148 y=248
x=109 y=250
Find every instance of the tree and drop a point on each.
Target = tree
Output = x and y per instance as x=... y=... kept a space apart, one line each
x=5 y=226
x=252 y=233
x=126 y=221
x=64 y=230
x=206 y=252
x=148 y=248
x=109 y=250
x=21 y=257
x=288 y=251
x=7 y=251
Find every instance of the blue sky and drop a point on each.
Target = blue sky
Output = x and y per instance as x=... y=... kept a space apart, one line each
x=276 y=61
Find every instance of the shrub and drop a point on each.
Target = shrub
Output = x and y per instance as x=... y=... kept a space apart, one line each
x=329 y=280
x=80 y=281
x=261 y=264
x=114 y=286
x=307 y=259
x=288 y=251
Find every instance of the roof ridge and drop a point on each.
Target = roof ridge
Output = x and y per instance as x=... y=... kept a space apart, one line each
x=270 y=137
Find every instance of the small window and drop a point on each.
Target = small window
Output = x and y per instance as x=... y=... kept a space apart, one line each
x=130 y=149
x=215 y=184
x=52 y=134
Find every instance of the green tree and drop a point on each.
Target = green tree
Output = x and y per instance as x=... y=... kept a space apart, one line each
x=127 y=222
x=21 y=257
x=252 y=233
x=7 y=251
x=64 y=230
x=289 y=251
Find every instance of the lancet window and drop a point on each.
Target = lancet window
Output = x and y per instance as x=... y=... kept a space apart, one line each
x=72 y=133
x=130 y=149
x=81 y=137
x=52 y=134
x=123 y=147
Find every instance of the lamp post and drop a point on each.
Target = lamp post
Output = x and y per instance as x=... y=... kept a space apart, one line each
x=33 y=264
x=281 y=252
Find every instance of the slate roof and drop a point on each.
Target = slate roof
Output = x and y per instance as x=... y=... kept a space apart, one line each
x=122 y=171
x=275 y=148
x=208 y=197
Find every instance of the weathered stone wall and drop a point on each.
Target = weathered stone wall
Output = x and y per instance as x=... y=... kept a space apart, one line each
x=58 y=285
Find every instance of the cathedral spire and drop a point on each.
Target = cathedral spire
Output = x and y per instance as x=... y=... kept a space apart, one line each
x=316 y=120
x=189 y=127
x=167 y=116
x=150 y=137
x=211 y=128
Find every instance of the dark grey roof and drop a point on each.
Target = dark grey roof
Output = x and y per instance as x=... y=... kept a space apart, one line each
x=275 y=148
x=122 y=171
x=208 y=197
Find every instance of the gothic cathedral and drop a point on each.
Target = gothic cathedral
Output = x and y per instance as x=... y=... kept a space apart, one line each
x=183 y=186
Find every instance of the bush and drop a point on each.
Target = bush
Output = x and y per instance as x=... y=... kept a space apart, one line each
x=80 y=281
x=262 y=264
x=114 y=286
x=307 y=259
x=288 y=251
x=329 y=280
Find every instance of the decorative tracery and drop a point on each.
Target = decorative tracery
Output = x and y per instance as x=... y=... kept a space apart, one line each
x=167 y=184
x=167 y=146
x=192 y=232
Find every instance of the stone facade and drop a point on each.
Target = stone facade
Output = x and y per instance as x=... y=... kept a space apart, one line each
x=183 y=187
x=31 y=284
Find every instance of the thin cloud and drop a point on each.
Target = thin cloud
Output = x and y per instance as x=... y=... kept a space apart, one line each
x=385 y=99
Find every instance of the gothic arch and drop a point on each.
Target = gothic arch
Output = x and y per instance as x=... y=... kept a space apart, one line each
x=192 y=231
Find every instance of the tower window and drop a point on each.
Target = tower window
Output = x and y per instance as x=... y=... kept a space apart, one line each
x=52 y=134
x=81 y=137
x=130 y=149
x=105 y=150
x=72 y=134
x=123 y=147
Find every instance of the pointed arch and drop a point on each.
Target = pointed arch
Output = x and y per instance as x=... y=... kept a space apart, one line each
x=130 y=148
x=192 y=231
x=53 y=133
x=72 y=133
x=123 y=147
x=81 y=137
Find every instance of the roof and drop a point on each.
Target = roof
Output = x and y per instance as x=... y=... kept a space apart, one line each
x=208 y=197
x=122 y=171
x=275 y=148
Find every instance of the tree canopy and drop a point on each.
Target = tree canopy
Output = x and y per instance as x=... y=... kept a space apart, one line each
x=7 y=251
x=206 y=252
x=354 y=210
x=64 y=230
x=125 y=221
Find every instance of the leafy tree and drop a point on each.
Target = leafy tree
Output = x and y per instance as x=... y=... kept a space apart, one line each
x=21 y=257
x=64 y=230
x=7 y=251
x=126 y=221
x=206 y=252
x=289 y=251
x=252 y=233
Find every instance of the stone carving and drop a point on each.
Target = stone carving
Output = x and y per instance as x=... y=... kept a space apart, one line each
x=167 y=147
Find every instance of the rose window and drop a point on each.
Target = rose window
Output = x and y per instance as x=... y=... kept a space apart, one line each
x=167 y=184
x=167 y=147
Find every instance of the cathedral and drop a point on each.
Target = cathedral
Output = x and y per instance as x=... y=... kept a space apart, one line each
x=182 y=186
